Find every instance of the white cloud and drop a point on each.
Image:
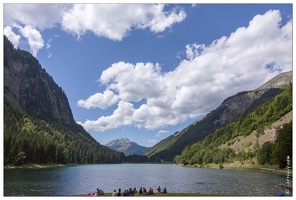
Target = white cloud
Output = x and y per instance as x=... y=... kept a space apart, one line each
x=161 y=20
x=161 y=132
x=133 y=83
x=99 y=100
x=14 y=38
x=34 y=38
x=193 y=50
x=48 y=45
x=103 y=20
x=199 y=84
x=35 y=15
x=122 y=116
x=151 y=141
x=30 y=19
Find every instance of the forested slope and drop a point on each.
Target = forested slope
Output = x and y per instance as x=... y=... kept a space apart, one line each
x=38 y=122
x=229 y=109
x=260 y=118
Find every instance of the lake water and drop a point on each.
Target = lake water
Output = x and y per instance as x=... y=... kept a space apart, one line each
x=82 y=179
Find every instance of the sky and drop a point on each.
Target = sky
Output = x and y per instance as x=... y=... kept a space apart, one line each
x=145 y=71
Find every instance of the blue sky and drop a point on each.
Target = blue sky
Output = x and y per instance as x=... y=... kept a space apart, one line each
x=145 y=71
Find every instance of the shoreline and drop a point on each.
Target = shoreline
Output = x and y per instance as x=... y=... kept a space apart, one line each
x=227 y=166
x=271 y=169
x=33 y=166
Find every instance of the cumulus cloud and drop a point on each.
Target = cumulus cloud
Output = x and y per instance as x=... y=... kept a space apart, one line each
x=133 y=83
x=30 y=19
x=33 y=15
x=99 y=100
x=247 y=58
x=151 y=141
x=34 y=38
x=161 y=20
x=32 y=35
x=103 y=20
x=14 y=38
x=193 y=50
x=122 y=116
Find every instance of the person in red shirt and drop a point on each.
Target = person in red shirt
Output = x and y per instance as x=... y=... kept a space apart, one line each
x=150 y=191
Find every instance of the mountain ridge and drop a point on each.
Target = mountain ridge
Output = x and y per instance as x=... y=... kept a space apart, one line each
x=280 y=81
x=263 y=135
x=230 y=108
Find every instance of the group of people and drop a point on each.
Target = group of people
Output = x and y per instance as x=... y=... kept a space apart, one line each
x=127 y=192
x=164 y=191
x=98 y=192
x=142 y=191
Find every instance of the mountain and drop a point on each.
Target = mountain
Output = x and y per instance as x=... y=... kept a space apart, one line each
x=231 y=108
x=28 y=86
x=38 y=122
x=280 y=81
x=127 y=147
x=264 y=135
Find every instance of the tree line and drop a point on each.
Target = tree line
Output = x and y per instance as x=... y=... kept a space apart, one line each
x=33 y=140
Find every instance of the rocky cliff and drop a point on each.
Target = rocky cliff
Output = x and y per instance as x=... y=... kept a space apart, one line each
x=38 y=122
x=29 y=86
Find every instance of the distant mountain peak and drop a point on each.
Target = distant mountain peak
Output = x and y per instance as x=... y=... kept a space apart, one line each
x=118 y=142
x=280 y=81
x=127 y=147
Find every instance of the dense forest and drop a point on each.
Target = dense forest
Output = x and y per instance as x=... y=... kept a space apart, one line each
x=38 y=123
x=32 y=140
x=208 y=151
x=134 y=158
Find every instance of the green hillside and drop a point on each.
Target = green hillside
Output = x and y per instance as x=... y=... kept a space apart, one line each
x=259 y=119
x=230 y=109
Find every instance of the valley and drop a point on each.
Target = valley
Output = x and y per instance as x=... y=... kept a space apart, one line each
x=236 y=130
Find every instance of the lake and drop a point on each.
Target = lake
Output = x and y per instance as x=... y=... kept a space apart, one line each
x=82 y=179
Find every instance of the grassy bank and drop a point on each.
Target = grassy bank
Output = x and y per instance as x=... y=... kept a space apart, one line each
x=167 y=195
x=35 y=166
